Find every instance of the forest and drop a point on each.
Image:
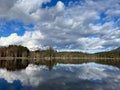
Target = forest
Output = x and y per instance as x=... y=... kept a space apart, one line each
x=15 y=51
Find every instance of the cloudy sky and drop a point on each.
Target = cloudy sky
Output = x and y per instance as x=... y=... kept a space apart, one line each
x=91 y=25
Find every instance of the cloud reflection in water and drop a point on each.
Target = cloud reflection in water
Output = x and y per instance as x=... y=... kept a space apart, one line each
x=87 y=76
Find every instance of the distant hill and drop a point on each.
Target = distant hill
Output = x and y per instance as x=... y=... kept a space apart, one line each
x=117 y=49
x=110 y=54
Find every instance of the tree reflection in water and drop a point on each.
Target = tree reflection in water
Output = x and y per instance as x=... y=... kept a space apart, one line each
x=19 y=64
x=13 y=65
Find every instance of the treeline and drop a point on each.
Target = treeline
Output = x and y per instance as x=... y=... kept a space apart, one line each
x=50 y=53
x=14 y=51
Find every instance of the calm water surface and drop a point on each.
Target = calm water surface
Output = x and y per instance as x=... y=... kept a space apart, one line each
x=59 y=76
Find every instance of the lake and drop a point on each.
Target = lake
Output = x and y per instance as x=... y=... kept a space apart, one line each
x=60 y=75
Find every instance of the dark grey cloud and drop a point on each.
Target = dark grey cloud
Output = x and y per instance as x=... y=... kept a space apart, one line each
x=6 y=5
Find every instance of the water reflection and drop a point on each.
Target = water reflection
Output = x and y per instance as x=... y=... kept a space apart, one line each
x=19 y=64
x=85 y=76
x=13 y=65
x=59 y=75
x=50 y=64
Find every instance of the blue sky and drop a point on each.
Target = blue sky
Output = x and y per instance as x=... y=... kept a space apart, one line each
x=66 y=3
x=76 y=25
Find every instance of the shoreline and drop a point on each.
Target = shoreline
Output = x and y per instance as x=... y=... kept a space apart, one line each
x=57 y=58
